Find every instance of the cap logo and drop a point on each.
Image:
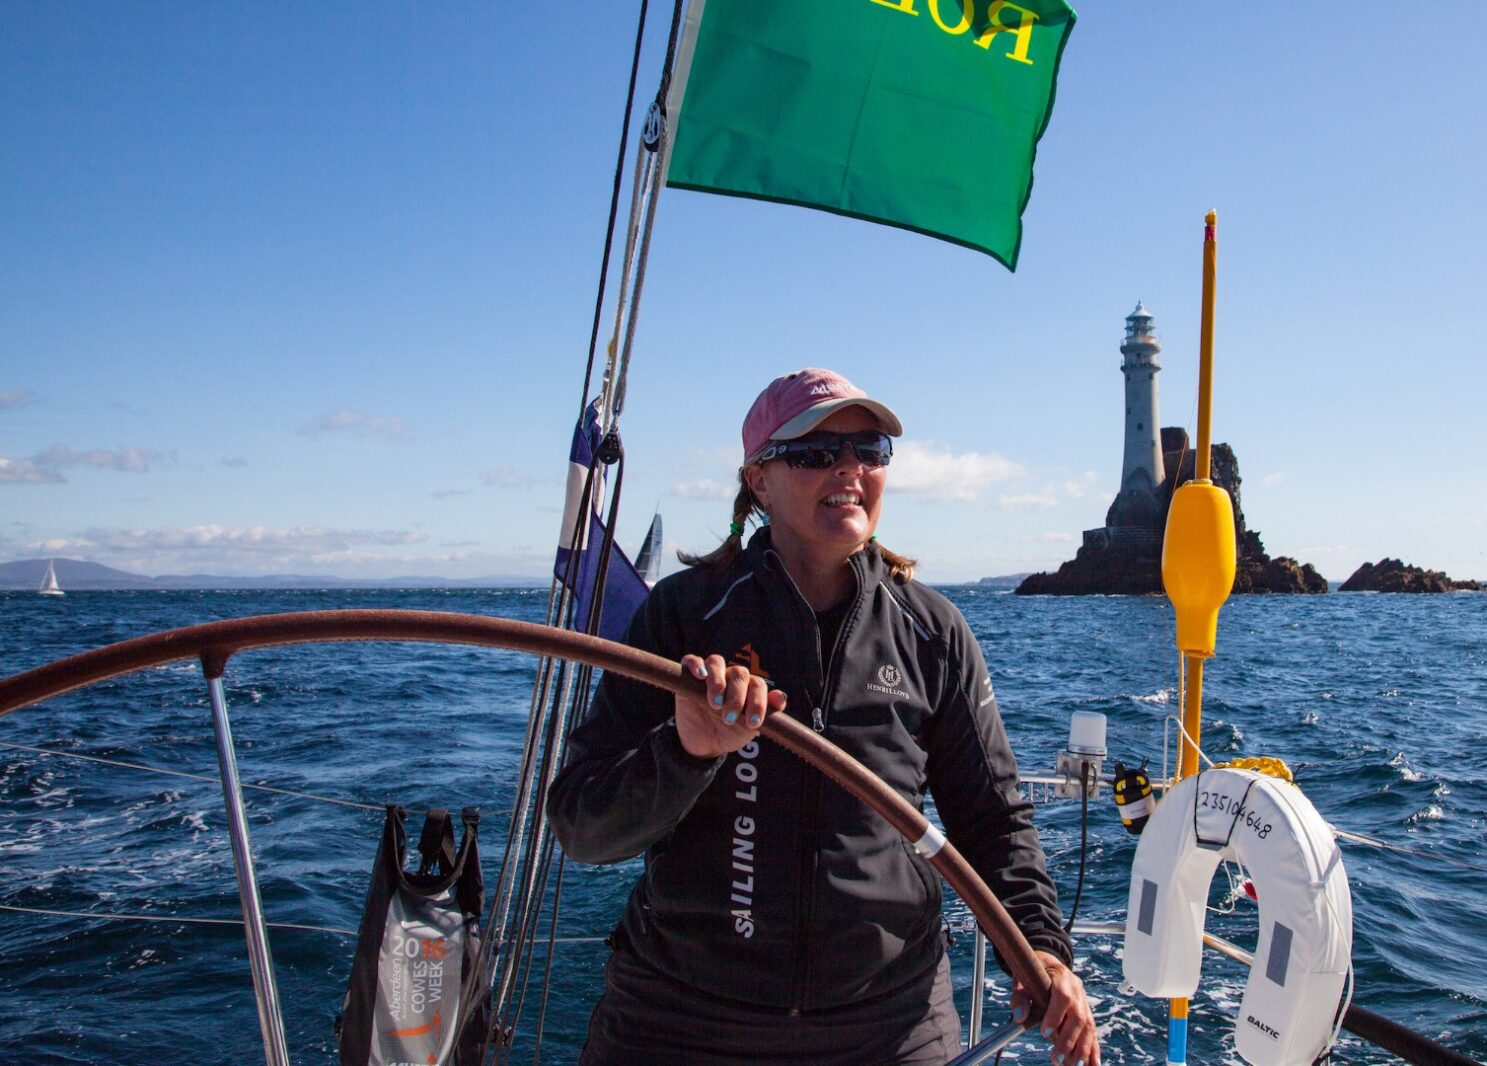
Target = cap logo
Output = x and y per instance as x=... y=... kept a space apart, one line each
x=827 y=388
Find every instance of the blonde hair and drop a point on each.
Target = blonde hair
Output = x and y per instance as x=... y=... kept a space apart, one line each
x=900 y=567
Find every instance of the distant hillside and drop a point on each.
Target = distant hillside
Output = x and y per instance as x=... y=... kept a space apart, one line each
x=1005 y=581
x=71 y=574
x=79 y=576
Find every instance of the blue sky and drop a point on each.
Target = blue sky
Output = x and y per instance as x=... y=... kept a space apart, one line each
x=307 y=288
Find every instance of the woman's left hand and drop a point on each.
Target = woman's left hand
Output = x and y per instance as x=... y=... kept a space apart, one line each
x=1069 y=1024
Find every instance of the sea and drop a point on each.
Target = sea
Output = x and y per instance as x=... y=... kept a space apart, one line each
x=1377 y=702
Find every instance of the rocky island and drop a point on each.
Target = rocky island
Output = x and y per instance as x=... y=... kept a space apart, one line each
x=1124 y=557
x=1392 y=575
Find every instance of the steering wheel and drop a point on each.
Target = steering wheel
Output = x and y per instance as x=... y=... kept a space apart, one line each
x=213 y=643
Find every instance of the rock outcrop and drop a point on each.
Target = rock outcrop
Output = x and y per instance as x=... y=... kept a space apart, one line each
x=1392 y=575
x=1109 y=565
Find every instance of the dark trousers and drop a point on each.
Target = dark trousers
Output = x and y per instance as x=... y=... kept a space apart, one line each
x=648 y=1019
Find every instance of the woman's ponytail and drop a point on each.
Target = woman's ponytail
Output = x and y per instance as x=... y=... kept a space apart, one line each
x=900 y=567
x=725 y=553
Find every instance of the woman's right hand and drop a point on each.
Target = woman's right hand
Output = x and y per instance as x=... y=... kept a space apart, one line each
x=732 y=711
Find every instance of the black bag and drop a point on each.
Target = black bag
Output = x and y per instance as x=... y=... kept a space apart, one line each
x=414 y=968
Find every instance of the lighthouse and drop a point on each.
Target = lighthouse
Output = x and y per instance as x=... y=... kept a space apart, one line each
x=1140 y=363
x=1133 y=524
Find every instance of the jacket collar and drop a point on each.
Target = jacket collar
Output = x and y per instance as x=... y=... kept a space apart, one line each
x=761 y=557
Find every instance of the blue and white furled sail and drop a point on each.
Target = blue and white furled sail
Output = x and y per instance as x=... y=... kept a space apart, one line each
x=623 y=587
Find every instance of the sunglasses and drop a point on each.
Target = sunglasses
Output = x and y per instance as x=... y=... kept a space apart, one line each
x=823 y=449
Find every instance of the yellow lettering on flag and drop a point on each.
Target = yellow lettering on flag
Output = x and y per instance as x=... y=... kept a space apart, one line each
x=1023 y=30
x=906 y=6
x=965 y=16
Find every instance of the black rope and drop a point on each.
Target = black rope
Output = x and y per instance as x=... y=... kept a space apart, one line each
x=1084 y=773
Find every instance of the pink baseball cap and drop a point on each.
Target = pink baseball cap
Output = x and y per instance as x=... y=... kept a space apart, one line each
x=793 y=405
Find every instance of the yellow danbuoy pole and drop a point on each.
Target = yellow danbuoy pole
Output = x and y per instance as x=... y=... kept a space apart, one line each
x=1198 y=562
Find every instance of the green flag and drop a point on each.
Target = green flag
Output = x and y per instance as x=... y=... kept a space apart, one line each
x=923 y=114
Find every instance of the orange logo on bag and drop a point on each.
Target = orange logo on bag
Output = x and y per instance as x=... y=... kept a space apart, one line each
x=435 y=1026
x=747 y=656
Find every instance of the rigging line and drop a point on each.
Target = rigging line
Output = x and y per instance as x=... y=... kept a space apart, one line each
x=496 y=962
x=1201 y=753
x=1373 y=842
x=676 y=24
x=519 y=940
x=171 y=920
x=535 y=857
x=498 y=909
x=123 y=916
x=527 y=957
x=552 y=932
x=657 y=166
x=537 y=864
x=614 y=206
x=196 y=777
x=1341 y=834
x=658 y=181
x=622 y=307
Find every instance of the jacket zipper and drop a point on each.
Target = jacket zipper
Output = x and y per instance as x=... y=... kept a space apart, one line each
x=811 y=807
x=818 y=712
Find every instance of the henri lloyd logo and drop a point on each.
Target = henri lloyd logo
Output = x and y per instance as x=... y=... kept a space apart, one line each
x=890 y=678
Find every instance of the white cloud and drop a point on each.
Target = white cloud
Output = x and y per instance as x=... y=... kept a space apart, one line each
x=25 y=472
x=1077 y=490
x=131 y=460
x=704 y=489
x=42 y=468
x=507 y=476
x=1271 y=480
x=934 y=472
x=235 y=461
x=720 y=458
x=359 y=422
x=296 y=541
x=12 y=398
x=1027 y=501
x=1056 y=537
x=254 y=550
x=444 y=494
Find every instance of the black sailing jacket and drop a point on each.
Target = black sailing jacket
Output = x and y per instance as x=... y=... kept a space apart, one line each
x=764 y=881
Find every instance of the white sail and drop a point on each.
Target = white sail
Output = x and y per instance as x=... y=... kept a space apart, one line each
x=49 y=586
x=648 y=562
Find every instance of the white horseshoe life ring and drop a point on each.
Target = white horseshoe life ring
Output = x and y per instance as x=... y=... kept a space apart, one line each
x=1287 y=1015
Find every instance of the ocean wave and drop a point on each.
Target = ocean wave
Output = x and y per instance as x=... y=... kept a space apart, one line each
x=1406 y=772
x=336 y=720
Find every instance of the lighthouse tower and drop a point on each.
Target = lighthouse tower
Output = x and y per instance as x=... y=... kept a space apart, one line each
x=1141 y=472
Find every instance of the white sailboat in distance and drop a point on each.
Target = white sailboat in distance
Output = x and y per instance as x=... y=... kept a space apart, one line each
x=49 y=586
x=648 y=562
